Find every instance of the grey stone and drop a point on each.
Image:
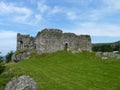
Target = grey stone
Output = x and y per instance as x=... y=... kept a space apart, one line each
x=109 y=54
x=8 y=71
x=104 y=58
x=98 y=54
x=21 y=56
x=118 y=56
x=115 y=52
x=21 y=83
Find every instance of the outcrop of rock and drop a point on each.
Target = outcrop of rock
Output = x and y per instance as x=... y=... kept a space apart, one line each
x=21 y=55
x=21 y=83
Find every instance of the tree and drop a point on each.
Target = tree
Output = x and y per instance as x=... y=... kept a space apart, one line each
x=103 y=48
x=2 y=67
x=1 y=58
x=9 y=56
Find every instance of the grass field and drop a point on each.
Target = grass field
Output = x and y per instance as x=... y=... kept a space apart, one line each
x=66 y=71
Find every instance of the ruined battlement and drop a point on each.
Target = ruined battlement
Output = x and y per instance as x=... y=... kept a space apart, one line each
x=51 y=40
x=25 y=42
x=46 y=30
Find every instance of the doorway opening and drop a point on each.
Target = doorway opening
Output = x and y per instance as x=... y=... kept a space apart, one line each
x=66 y=47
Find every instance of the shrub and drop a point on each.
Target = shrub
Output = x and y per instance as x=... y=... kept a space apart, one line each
x=2 y=67
x=9 y=56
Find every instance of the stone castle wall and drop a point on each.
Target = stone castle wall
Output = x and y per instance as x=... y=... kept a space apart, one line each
x=48 y=41
x=85 y=42
x=51 y=40
x=25 y=42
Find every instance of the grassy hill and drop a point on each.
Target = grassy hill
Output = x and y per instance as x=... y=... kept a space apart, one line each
x=66 y=71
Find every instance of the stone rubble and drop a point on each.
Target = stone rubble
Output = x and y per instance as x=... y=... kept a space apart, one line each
x=106 y=55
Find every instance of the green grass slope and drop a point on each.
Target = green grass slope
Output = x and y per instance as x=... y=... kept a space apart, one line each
x=66 y=71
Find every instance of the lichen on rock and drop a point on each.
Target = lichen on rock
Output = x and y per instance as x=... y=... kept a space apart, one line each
x=21 y=83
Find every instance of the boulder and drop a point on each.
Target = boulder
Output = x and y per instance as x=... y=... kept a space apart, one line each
x=21 y=83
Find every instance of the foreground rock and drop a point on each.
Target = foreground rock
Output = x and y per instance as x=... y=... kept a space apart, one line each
x=21 y=83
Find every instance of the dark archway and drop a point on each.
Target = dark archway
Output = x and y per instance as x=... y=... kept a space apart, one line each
x=66 y=47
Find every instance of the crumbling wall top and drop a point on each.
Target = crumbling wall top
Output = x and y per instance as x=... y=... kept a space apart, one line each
x=22 y=36
x=85 y=36
x=69 y=34
x=49 y=31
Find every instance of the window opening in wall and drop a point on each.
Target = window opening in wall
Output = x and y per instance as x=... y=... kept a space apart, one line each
x=21 y=44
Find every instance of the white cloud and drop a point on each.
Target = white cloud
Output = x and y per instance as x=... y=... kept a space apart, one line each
x=42 y=7
x=56 y=10
x=99 y=4
x=71 y=15
x=7 y=41
x=95 y=29
x=90 y=12
x=28 y=16
x=7 y=34
x=68 y=13
x=80 y=2
x=112 y=4
x=21 y=14
x=38 y=18
x=94 y=14
x=16 y=13
x=7 y=8
x=6 y=46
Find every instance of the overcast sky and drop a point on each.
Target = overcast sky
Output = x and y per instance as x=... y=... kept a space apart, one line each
x=98 y=18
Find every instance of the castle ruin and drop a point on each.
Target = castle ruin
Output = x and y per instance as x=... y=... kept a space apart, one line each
x=51 y=40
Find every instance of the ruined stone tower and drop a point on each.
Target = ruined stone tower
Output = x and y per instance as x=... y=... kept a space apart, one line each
x=51 y=40
x=25 y=42
x=25 y=46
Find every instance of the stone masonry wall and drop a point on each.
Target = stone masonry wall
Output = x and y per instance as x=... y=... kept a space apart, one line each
x=48 y=41
x=25 y=42
x=51 y=40
x=85 y=42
